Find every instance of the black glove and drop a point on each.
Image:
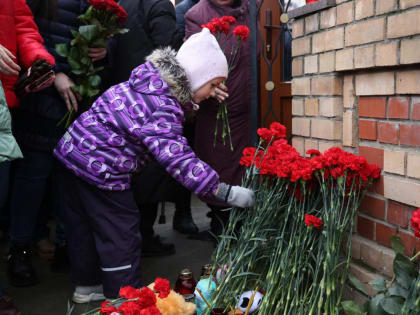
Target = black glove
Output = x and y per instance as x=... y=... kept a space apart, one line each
x=39 y=76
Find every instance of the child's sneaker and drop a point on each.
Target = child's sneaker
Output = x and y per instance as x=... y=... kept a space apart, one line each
x=86 y=294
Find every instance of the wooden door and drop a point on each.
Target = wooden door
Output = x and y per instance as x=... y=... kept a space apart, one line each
x=275 y=65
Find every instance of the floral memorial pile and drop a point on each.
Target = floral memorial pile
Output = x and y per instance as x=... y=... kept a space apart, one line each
x=293 y=248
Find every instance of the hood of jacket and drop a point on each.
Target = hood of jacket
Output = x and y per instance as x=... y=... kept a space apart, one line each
x=162 y=65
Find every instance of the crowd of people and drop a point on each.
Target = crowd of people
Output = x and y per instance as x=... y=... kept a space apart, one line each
x=104 y=196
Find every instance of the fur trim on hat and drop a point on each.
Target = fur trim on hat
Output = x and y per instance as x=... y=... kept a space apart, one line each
x=171 y=71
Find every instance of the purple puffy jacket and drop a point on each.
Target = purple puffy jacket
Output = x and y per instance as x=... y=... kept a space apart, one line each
x=133 y=122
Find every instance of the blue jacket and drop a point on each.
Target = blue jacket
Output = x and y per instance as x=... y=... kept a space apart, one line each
x=9 y=149
x=180 y=10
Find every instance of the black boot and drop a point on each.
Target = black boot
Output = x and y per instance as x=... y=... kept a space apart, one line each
x=61 y=262
x=184 y=223
x=153 y=246
x=19 y=266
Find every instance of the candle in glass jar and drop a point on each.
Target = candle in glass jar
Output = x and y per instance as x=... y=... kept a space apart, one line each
x=206 y=271
x=185 y=284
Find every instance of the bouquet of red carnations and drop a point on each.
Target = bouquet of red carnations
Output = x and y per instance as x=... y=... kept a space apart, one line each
x=102 y=20
x=155 y=299
x=295 y=243
x=219 y=27
x=135 y=301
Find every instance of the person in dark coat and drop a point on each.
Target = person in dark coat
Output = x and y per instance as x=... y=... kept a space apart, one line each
x=225 y=161
x=35 y=128
x=151 y=25
x=181 y=9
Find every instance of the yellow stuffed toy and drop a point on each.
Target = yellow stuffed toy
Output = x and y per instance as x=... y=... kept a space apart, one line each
x=173 y=304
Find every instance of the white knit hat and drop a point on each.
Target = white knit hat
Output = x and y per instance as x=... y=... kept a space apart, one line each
x=202 y=59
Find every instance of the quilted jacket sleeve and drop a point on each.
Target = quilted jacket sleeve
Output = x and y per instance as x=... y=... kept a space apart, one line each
x=192 y=23
x=29 y=41
x=162 y=134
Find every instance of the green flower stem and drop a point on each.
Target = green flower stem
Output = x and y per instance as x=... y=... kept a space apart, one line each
x=414 y=258
x=222 y=117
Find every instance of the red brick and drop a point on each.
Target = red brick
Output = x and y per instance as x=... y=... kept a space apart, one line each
x=378 y=186
x=373 y=207
x=373 y=155
x=410 y=135
x=388 y=133
x=367 y=129
x=365 y=227
x=416 y=109
x=411 y=242
x=374 y=107
x=399 y=214
x=398 y=107
x=384 y=233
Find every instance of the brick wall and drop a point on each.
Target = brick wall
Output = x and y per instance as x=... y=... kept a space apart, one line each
x=356 y=85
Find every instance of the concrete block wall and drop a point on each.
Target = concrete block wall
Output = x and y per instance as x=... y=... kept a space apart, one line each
x=356 y=85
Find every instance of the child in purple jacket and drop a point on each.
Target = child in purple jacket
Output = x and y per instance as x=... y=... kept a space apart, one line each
x=130 y=124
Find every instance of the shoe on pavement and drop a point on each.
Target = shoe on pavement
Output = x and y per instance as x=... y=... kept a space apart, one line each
x=206 y=236
x=20 y=271
x=153 y=247
x=184 y=223
x=86 y=294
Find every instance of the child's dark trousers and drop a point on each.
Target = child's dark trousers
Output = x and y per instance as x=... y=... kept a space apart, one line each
x=103 y=235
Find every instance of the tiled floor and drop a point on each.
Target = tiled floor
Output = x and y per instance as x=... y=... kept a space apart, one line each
x=51 y=295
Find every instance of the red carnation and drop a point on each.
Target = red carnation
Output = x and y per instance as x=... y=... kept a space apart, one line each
x=242 y=32
x=211 y=26
x=337 y=172
x=280 y=141
x=122 y=16
x=217 y=24
x=112 y=7
x=311 y=220
x=147 y=298
x=415 y=222
x=375 y=171
x=98 y=4
x=163 y=287
x=129 y=293
x=248 y=156
x=129 y=308
x=107 y=308
x=265 y=134
x=224 y=27
x=152 y=310
x=279 y=131
x=229 y=19
x=313 y=152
